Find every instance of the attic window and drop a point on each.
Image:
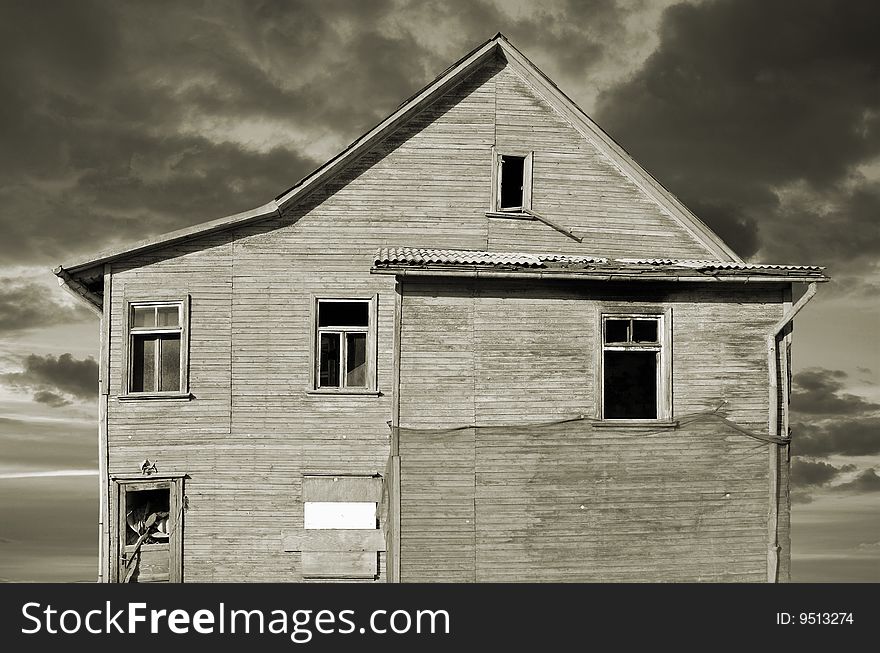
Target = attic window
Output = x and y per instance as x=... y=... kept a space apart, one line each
x=513 y=192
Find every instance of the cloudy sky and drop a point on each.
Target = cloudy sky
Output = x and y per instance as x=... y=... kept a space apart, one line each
x=124 y=120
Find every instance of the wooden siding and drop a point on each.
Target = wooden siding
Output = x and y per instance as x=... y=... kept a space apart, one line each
x=514 y=501
x=576 y=186
x=252 y=429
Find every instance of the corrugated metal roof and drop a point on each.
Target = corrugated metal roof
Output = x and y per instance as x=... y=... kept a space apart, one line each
x=409 y=256
x=714 y=265
x=418 y=256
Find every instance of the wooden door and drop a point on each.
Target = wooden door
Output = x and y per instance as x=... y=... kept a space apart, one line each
x=149 y=531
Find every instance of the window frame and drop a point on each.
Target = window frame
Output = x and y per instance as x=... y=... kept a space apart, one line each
x=664 y=364
x=371 y=330
x=528 y=165
x=183 y=305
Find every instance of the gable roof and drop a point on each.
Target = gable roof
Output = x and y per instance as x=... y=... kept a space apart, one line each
x=406 y=261
x=451 y=76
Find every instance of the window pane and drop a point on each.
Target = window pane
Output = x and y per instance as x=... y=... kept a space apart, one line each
x=143 y=316
x=168 y=316
x=342 y=314
x=512 y=169
x=143 y=364
x=339 y=514
x=169 y=364
x=616 y=330
x=644 y=330
x=329 y=357
x=139 y=506
x=630 y=385
x=356 y=360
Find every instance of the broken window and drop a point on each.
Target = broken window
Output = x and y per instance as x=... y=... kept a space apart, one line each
x=632 y=358
x=343 y=343
x=146 y=516
x=156 y=335
x=147 y=537
x=513 y=192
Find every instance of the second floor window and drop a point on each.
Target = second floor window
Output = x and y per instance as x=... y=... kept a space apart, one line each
x=632 y=367
x=343 y=356
x=156 y=331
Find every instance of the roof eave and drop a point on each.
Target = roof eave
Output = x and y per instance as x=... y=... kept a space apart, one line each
x=598 y=274
x=181 y=235
x=320 y=174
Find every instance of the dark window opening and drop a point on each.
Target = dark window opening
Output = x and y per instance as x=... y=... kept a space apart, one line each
x=631 y=357
x=617 y=330
x=155 y=365
x=330 y=356
x=512 y=181
x=630 y=384
x=146 y=516
x=644 y=330
x=343 y=314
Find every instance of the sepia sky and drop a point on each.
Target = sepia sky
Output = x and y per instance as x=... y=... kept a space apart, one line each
x=122 y=120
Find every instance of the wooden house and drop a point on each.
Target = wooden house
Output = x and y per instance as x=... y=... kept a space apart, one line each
x=479 y=344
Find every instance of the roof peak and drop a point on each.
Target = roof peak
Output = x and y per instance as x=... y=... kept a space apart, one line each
x=542 y=85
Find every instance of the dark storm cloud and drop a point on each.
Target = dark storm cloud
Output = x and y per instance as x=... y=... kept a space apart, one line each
x=848 y=437
x=866 y=482
x=121 y=120
x=25 y=304
x=53 y=379
x=50 y=398
x=806 y=473
x=839 y=422
x=746 y=97
x=818 y=391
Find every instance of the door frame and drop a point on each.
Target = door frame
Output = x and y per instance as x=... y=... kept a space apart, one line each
x=119 y=485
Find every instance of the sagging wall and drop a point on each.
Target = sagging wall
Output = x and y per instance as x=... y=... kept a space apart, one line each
x=575 y=501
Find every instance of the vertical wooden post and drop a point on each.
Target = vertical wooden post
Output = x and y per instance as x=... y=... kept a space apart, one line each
x=778 y=411
x=103 y=400
x=395 y=390
x=393 y=570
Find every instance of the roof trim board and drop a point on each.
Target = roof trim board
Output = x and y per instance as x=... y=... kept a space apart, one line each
x=455 y=73
x=188 y=233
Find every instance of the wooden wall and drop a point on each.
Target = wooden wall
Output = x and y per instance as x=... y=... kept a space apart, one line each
x=515 y=501
x=252 y=429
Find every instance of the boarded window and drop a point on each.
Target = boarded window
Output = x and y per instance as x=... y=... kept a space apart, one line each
x=344 y=331
x=340 y=514
x=631 y=372
x=341 y=536
x=155 y=347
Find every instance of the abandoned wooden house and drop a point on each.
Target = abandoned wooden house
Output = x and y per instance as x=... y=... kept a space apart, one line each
x=479 y=344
